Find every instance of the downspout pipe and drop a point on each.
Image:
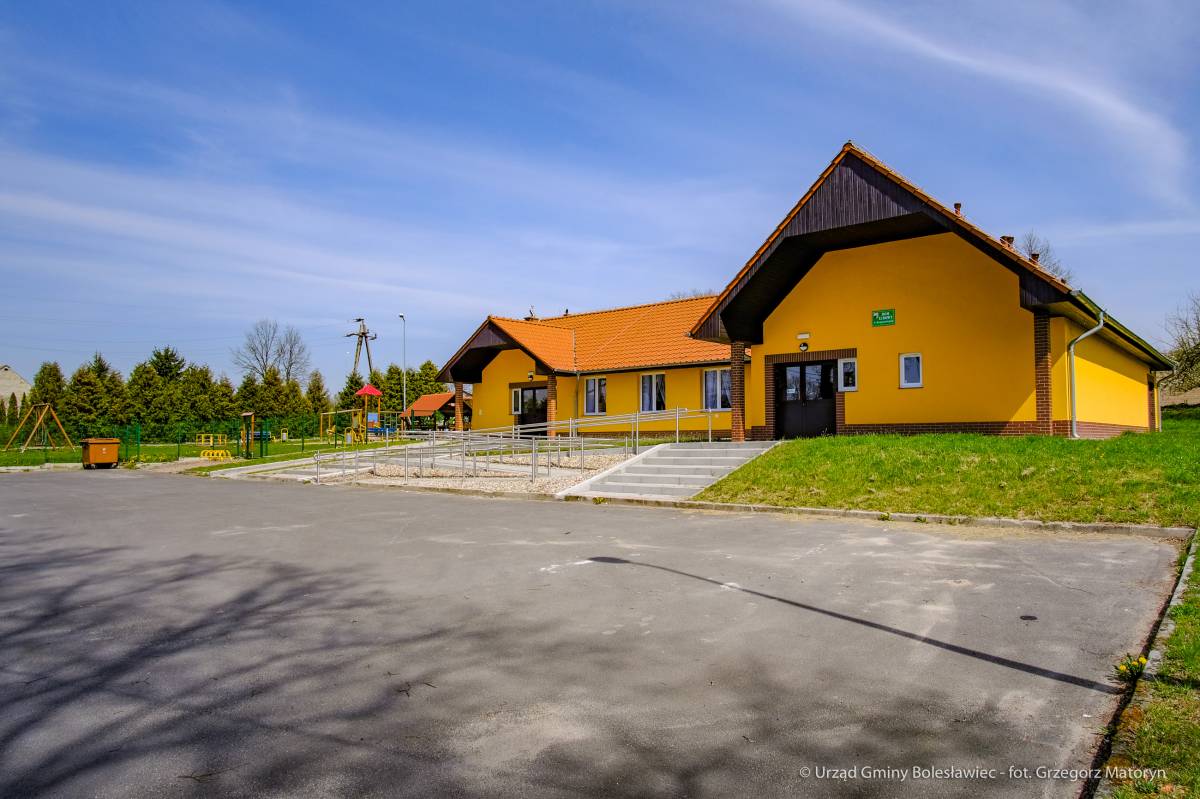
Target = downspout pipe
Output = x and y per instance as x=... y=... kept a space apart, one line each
x=1071 y=363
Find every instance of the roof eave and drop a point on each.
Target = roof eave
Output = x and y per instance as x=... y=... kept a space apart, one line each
x=1093 y=309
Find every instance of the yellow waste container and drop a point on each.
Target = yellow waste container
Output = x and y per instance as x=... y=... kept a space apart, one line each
x=100 y=452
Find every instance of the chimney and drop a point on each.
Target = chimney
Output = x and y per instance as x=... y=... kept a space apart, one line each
x=958 y=209
x=1007 y=241
x=532 y=316
x=1035 y=256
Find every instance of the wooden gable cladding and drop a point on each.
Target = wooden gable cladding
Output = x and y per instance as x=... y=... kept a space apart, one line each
x=853 y=205
x=467 y=365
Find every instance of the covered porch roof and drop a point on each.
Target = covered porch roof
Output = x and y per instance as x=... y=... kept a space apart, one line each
x=858 y=201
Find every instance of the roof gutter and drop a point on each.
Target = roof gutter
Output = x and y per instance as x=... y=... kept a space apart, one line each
x=1071 y=364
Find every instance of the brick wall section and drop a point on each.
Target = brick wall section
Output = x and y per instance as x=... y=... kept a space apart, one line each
x=458 y=406
x=1151 y=405
x=1062 y=427
x=914 y=428
x=1041 y=371
x=737 y=390
x=551 y=402
x=1059 y=427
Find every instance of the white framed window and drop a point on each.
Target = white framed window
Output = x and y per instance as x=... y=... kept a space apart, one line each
x=654 y=392
x=717 y=394
x=516 y=402
x=847 y=374
x=595 y=396
x=912 y=370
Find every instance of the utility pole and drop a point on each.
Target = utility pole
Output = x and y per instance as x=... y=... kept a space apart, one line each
x=404 y=367
x=363 y=338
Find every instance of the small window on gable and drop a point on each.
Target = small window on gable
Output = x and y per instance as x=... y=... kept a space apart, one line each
x=595 y=396
x=516 y=402
x=912 y=370
x=847 y=374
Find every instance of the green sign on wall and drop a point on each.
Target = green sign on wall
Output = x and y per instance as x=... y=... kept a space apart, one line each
x=883 y=318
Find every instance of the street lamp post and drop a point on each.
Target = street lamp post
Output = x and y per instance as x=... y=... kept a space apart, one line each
x=404 y=366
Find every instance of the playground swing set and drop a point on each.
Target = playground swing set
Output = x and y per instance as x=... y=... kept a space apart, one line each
x=360 y=425
x=43 y=413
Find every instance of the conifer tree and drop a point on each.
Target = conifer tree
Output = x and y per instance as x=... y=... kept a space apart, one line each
x=393 y=389
x=316 y=393
x=247 y=394
x=48 y=384
x=346 y=398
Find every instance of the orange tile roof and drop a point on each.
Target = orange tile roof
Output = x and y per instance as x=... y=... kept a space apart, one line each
x=635 y=337
x=426 y=404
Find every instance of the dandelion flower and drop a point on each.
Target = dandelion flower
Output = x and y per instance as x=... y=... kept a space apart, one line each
x=1121 y=667
x=1142 y=660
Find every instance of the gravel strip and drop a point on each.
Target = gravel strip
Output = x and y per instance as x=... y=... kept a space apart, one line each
x=515 y=482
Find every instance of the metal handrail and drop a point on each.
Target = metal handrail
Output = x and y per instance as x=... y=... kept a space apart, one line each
x=632 y=420
x=455 y=447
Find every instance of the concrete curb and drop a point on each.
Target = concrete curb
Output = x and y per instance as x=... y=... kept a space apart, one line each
x=466 y=492
x=40 y=467
x=1141 y=692
x=1149 y=530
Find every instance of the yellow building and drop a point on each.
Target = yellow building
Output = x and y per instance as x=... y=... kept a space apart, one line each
x=599 y=366
x=870 y=308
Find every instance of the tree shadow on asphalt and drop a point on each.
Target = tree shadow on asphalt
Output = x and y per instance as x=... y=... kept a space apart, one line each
x=1028 y=668
x=222 y=675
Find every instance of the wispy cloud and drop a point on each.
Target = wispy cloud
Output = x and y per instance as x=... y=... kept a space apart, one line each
x=1145 y=138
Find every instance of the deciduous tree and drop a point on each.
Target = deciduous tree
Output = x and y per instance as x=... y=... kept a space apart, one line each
x=1184 y=328
x=1032 y=244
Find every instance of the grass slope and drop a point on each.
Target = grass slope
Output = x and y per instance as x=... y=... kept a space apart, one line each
x=1132 y=478
x=1166 y=735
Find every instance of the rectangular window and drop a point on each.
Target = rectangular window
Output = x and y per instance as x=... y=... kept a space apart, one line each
x=912 y=371
x=654 y=392
x=848 y=374
x=516 y=402
x=595 y=396
x=716 y=390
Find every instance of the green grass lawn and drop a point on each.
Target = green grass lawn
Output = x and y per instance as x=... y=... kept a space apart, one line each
x=1132 y=478
x=1166 y=734
x=159 y=453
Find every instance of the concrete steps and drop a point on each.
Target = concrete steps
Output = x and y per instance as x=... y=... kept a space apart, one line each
x=672 y=471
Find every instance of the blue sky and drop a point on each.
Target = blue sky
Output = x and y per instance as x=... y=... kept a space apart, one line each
x=171 y=172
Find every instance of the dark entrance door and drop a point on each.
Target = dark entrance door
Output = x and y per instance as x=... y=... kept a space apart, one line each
x=533 y=405
x=804 y=399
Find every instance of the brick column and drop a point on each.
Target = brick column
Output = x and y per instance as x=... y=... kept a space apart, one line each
x=551 y=403
x=1152 y=405
x=737 y=390
x=458 y=405
x=1041 y=372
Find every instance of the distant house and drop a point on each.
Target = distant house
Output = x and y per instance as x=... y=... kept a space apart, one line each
x=427 y=405
x=1185 y=398
x=12 y=383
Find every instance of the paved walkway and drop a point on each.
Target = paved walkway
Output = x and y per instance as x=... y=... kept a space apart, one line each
x=169 y=636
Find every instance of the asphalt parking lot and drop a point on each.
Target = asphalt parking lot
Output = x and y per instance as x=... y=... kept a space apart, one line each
x=175 y=636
